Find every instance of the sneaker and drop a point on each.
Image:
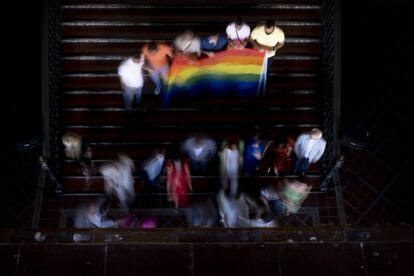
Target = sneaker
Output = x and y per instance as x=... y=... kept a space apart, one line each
x=157 y=91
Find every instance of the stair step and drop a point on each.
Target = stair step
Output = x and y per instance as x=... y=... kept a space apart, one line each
x=119 y=116
x=149 y=100
x=168 y=31
x=126 y=47
x=176 y=134
x=194 y=13
x=191 y=2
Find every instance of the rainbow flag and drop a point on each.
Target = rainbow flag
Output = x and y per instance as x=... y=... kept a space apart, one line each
x=231 y=72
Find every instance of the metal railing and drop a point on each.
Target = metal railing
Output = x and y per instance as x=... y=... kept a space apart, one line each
x=51 y=76
x=330 y=38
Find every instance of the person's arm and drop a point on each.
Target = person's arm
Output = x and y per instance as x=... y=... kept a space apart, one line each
x=141 y=59
x=210 y=54
x=281 y=42
x=169 y=52
x=121 y=81
x=259 y=46
x=298 y=144
x=321 y=150
x=147 y=66
x=264 y=200
x=255 y=44
x=187 y=171
x=169 y=188
x=198 y=45
x=213 y=148
x=279 y=45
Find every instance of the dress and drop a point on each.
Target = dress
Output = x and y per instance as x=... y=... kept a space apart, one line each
x=276 y=158
x=178 y=175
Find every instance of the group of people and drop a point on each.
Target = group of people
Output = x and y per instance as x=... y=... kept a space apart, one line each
x=261 y=155
x=258 y=156
x=155 y=58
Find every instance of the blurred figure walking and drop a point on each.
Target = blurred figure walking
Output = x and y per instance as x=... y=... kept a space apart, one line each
x=178 y=182
x=201 y=150
x=153 y=167
x=118 y=180
x=276 y=157
x=231 y=161
x=157 y=57
x=77 y=150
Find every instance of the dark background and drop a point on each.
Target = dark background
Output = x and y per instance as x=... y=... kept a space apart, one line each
x=21 y=75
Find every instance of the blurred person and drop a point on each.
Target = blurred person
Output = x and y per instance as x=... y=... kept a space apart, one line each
x=242 y=211
x=178 y=182
x=132 y=80
x=157 y=57
x=76 y=150
x=92 y=216
x=188 y=44
x=276 y=157
x=293 y=193
x=268 y=38
x=253 y=155
x=231 y=162
x=132 y=222
x=118 y=180
x=200 y=149
x=238 y=34
x=153 y=167
x=213 y=43
x=202 y=213
x=253 y=213
x=228 y=209
x=270 y=197
x=309 y=148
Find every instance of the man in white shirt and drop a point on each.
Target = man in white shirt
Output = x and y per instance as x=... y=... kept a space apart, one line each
x=309 y=148
x=188 y=44
x=132 y=80
x=200 y=150
x=238 y=34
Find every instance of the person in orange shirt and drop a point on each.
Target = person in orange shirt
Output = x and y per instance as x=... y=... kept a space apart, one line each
x=157 y=57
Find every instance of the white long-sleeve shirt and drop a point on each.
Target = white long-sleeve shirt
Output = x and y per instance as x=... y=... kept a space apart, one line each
x=304 y=147
x=130 y=72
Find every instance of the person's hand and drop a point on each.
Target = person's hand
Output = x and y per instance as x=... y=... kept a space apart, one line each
x=257 y=155
x=150 y=70
x=210 y=54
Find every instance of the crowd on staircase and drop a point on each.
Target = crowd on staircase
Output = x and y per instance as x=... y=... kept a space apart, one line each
x=260 y=155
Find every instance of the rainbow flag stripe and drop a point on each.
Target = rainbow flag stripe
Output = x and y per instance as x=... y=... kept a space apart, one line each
x=231 y=72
